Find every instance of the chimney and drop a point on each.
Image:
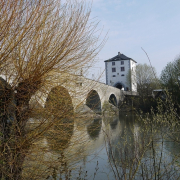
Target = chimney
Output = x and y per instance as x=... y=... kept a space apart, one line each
x=119 y=53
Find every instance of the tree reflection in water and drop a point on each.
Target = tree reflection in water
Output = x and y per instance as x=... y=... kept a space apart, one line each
x=83 y=145
x=137 y=153
x=124 y=149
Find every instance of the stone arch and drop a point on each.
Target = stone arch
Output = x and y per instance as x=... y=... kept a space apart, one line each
x=59 y=104
x=59 y=101
x=120 y=85
x=93 y=101
x=113 y=100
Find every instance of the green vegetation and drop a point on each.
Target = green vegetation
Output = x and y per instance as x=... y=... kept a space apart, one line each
x=170 y=79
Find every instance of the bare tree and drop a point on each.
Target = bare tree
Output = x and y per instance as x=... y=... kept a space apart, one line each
x=37 y=40
x=146 y=81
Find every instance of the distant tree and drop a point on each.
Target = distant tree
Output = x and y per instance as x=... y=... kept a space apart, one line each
x=146 y=79
x=38 y=38
x=170 y=78
x=167 y=76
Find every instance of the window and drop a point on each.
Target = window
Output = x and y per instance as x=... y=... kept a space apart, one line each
x=117 y=73
x=122 y=62
x=113 y=69
x=113 y=63
x=122 y=69
x=114 y=75
x=122 y=74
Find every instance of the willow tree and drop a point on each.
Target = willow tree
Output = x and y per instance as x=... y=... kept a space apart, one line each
x=37 y=39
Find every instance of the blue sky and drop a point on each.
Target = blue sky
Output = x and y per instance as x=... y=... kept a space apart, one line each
x=131 y=24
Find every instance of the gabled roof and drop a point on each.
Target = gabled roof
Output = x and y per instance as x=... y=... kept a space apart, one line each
x=119 y=57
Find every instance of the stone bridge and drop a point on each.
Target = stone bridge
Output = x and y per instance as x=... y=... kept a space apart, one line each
x=81 y=91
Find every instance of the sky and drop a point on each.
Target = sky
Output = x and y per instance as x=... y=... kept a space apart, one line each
x=153 y=25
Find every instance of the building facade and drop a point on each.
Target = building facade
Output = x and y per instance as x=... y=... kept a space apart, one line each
x=121 y=72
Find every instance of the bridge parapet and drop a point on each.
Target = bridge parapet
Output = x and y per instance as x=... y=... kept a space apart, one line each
x=130 y=93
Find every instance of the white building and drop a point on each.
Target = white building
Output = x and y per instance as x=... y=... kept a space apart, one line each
x=121 y=72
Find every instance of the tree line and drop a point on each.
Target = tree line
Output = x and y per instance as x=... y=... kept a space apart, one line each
x=148 y=80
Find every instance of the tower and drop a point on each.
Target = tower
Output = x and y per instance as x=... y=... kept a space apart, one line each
x=121 y=72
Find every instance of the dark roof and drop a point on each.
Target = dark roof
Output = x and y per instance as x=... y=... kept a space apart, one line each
x=119 y=57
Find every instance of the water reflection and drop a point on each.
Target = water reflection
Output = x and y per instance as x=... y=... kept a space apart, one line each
x=117 y=142
x=60 y=134
x=114 y=123
x=124 y=147
x=94 y=128
x=135 y=151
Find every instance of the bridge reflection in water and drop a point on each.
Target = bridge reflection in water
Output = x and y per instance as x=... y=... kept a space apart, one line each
x=107 y=140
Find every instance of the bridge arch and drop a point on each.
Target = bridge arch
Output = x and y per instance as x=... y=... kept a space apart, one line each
x=113 y=100
x=120 y=85
x=59 y=102
x=93 y=101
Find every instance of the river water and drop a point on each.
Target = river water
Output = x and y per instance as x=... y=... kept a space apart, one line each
x=111 y=147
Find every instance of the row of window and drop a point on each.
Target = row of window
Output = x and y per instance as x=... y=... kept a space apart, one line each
x=113 y=63
x=118 y=74
x=114 y=69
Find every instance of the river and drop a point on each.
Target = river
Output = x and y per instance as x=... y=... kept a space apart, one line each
x=111 y=147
